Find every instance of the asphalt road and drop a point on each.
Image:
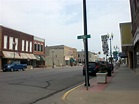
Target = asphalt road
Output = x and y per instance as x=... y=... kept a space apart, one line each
x=35 y=86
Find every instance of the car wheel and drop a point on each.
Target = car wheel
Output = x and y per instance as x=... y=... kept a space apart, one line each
x=4 y=70
x=12 y=69
x=23 y=68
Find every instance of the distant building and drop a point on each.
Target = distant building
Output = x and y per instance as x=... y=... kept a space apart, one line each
x=60 y=55
x=91 y=56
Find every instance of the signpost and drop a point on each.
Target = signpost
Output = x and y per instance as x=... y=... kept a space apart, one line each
x=85 y=40
x=85 y=37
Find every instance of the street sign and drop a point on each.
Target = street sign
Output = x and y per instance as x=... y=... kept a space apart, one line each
x=104 y=37
x=83 y=36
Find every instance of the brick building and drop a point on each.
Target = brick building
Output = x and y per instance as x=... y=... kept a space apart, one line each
x=134 y=5
x=17 y=46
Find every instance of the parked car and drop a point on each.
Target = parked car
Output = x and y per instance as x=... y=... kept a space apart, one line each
x=13 y=66
x=111 y=66
x=104 y=63
x=107 y=65
x=93 y=68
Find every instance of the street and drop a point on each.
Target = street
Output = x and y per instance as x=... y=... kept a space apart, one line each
x=35 y=85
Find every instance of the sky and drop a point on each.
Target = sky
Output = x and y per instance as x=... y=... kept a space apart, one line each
x=59 y=22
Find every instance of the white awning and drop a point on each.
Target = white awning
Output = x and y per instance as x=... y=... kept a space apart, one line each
x=8 y=54
x=17 y=55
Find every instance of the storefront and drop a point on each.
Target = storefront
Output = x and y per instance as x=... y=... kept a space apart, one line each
x=40 y=61
x=24 y=58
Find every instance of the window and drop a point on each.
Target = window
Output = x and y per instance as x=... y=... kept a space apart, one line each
x=38 y=47
x=41 y=47
x=30 y=47
x=11 y=43
x=26 y=46
x=16 y=41
x=35 y=45
x=78 y=55
x=23 y=44
x=5 y=41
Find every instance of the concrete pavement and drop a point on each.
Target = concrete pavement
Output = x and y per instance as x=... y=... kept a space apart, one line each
x=121 y=88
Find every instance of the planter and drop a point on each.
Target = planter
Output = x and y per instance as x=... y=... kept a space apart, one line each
x=101 y=77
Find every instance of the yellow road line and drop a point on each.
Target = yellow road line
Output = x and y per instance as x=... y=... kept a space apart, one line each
x=66 y=94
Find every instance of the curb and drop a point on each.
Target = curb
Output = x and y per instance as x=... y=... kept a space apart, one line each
x=68 y=92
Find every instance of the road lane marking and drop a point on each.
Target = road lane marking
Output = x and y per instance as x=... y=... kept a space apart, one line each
x=66 y=94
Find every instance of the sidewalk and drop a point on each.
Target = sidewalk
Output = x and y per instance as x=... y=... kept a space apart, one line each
x=122 y=88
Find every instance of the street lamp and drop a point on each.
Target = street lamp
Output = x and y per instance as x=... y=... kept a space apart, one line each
x=14 y=44
x=116 y=48
x=110 y=37
x=53 y=59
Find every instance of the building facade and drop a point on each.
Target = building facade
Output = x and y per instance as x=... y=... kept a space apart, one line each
x=16 y=46
x=91 y=57
x=39 y=51
x=126 y=43
x=60 y=55
x=134 y=6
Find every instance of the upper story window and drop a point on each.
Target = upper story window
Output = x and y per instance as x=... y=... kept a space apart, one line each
x=16 y=43
x=41 y=48
x=26 y=46
x=30 y=47
x=5 y=41
x=23 y=44
x=35 y=46
x=38 y=47
x=78 y=55
x=11 y=43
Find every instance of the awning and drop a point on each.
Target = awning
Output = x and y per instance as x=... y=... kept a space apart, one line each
x=18 y=55
x=66 y=57
x=42 y=58
x=28 y=55
x=33 y=56
x=37 y=57
x=12 y=55
x=23 y=55
x=122 y=55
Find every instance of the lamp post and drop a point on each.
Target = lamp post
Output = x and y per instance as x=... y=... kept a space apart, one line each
x=110 y=37
x=14 y=44
x=53 y=59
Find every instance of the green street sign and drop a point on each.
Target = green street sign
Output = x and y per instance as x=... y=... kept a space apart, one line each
x=83 y=36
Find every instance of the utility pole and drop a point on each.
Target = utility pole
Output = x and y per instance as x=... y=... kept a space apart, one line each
x=85 y=45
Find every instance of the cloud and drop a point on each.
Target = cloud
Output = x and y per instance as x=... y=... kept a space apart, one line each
x=61 y=21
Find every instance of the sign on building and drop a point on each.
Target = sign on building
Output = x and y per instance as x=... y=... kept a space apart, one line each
x=105 y=47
